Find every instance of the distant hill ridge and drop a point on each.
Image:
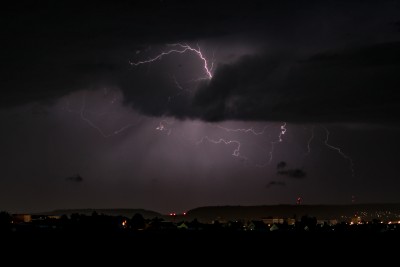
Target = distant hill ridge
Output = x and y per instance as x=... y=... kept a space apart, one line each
x=209 y=213
x=147 y=214
x=294 y=211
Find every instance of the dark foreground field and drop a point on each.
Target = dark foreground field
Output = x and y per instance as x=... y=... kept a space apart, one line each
x=203 y=247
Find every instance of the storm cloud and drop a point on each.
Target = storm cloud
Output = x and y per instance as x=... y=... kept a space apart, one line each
x=357 y=84
x=281 y=165
x=301 y=70
x=76 y=178
x=293 y=173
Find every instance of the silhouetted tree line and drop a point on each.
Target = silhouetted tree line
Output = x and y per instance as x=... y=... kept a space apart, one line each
x=5 y=221
x=137 y=223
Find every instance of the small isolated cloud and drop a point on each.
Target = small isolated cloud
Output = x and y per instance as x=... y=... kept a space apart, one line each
x=76 y=178
x=293 y=173
x=281 y=165
x=275 y=183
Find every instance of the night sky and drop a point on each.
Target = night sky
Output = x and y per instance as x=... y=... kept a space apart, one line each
x=171 y=105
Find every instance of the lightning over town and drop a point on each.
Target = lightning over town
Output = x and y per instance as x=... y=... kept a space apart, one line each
x=168 y=106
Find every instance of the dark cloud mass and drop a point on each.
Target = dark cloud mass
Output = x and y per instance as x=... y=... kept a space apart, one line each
x=281 y=165
x=76 y=178
x=315 y=62
x=293 y=173
x=357 y=85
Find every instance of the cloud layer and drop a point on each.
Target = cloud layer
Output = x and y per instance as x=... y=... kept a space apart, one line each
x=313 y=62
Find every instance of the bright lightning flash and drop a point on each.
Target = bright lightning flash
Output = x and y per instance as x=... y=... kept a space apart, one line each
x=251 y=130
x=281 y=133
x=180 y=49
x=162 y=127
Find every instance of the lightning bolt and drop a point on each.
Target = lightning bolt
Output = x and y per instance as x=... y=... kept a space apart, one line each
x=244 y=130
x=251 y=130
x=82 y=115
x=337 y=149
x=180 y=87
x=309 y=141
x=162 y=127
x=281 y=133
x=180 y=49
x=177 y=83
x=235 y=153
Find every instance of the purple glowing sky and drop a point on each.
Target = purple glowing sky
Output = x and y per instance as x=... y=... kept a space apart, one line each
x=240 y=110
